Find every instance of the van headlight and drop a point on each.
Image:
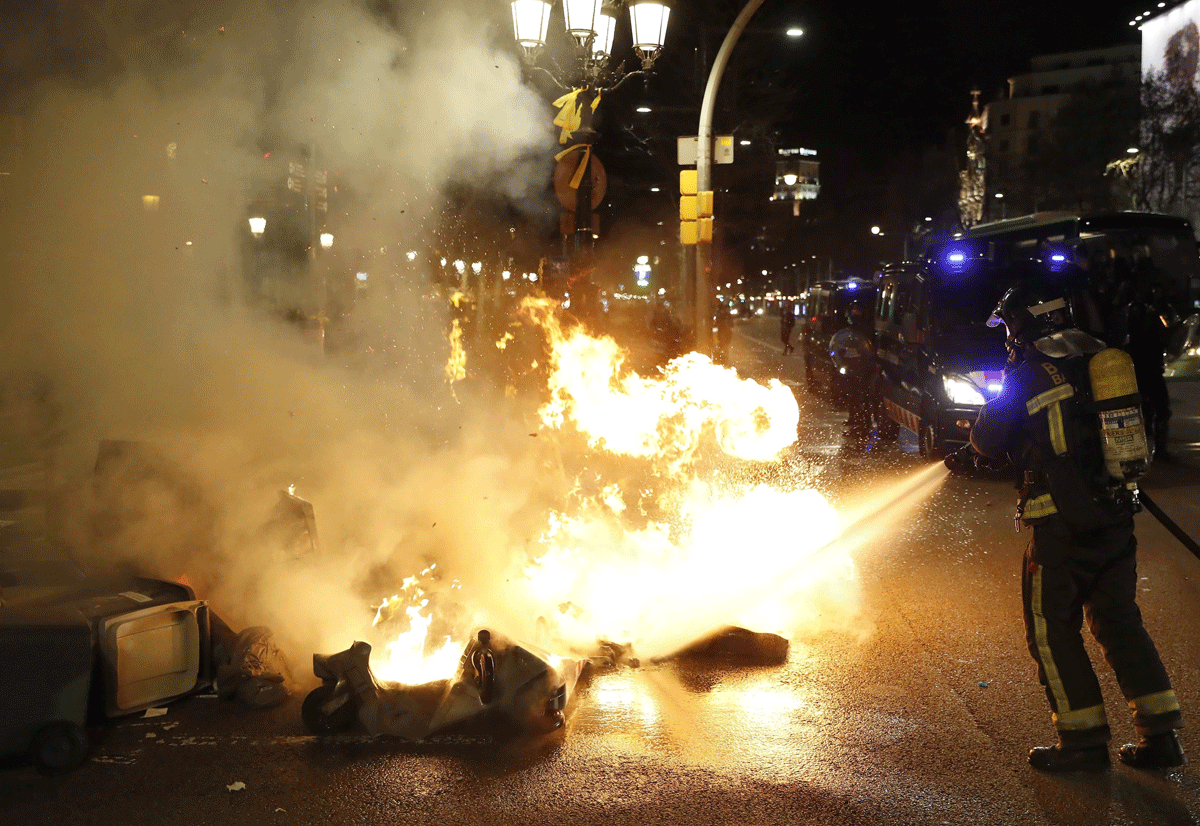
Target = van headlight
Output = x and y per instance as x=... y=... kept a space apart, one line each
x=962 y=391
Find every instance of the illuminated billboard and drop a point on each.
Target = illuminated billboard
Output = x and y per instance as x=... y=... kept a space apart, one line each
x=1167 y=171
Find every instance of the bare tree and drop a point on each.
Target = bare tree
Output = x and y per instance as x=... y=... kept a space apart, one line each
x=1166 y=172
x=1098 y=123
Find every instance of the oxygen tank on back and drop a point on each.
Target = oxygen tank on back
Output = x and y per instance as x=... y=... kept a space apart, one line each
x=1119 y=409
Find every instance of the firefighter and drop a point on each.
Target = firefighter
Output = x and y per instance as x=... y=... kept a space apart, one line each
x=1081 y=559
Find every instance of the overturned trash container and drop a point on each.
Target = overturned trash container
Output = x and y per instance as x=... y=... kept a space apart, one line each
x=45 y=682
x=112 y=646
x=501 y=685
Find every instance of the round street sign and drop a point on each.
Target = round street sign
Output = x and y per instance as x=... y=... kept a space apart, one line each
x=565 y=169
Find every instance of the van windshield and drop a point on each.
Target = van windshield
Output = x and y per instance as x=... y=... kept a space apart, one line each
x=964 y=306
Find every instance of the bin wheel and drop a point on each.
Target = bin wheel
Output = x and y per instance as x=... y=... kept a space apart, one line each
x=59 y=747
x=320 y=721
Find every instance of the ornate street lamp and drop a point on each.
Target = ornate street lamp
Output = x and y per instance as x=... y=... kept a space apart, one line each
x=606 y=30
x=592 y=25
x=649 y=18
x=582 y=19
x=531 y=22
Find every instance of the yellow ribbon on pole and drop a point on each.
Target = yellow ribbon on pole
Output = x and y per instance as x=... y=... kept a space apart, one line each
x=577 y=178
x=569 y=116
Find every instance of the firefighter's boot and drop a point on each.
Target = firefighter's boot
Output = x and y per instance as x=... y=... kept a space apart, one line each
x=1157 y=751
x=1058 y=759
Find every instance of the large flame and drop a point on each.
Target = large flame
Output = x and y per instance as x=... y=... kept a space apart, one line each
x=696 y=548
x=663 y=418
x=750 y=556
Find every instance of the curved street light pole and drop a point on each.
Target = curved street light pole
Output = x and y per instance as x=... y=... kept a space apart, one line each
x=703 y=310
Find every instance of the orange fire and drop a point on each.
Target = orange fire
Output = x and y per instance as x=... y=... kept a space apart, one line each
x=414 y=656
x=697 y=547
x=662 y=418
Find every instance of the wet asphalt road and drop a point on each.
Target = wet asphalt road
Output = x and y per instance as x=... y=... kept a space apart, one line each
x=924 y=718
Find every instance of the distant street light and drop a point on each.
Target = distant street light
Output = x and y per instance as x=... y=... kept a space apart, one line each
x=644 y=109
x=258 y=226
x=876 y=231
x=795 y=32
x=790 y=178
x=326 y=240
x=1133 y=150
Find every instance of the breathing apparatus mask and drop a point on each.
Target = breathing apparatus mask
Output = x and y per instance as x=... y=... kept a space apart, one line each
x=1029 y=312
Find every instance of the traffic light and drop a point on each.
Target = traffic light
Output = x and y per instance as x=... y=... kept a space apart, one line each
x=695 y=210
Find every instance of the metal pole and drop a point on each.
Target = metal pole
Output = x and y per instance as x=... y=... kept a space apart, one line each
x=703 y=316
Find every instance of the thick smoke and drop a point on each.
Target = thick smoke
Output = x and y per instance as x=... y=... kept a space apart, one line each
x=134 y=316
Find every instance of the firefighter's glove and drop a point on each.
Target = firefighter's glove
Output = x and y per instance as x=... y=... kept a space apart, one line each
x=963 y=460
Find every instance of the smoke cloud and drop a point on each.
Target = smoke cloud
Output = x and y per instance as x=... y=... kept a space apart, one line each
x=130 y=306
x=124 y=247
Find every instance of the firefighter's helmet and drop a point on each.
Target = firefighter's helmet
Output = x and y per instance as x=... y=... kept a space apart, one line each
x=1030 y=311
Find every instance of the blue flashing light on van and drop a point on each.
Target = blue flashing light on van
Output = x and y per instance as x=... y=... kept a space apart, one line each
x=957 y=260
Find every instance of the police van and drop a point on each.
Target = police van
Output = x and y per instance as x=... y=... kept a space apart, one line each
x=825 y=311
x=937 y=362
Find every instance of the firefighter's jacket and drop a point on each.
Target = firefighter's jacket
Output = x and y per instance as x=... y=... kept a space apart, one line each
x=1043 y=423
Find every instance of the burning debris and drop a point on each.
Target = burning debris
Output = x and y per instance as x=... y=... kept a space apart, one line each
x=737 y=645
x=661 y=541
x=498 y=684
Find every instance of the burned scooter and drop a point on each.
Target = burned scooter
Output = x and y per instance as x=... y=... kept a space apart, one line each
x=501 y=686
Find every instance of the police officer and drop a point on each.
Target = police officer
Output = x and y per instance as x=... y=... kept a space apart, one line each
x=1081 y=560
x=1146 y=324
x=787 y=322
x=854 y=357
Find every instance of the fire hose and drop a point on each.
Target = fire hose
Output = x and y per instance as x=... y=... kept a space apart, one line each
x=1169 y=524
x=961 y=460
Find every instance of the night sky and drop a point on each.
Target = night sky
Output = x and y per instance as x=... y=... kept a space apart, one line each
x=900 y=74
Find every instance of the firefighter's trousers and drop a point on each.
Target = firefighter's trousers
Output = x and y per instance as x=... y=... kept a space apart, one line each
x=1072 y=576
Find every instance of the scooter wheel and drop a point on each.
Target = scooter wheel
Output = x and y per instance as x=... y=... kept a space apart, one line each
x=320 y=721
x=59 y=747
